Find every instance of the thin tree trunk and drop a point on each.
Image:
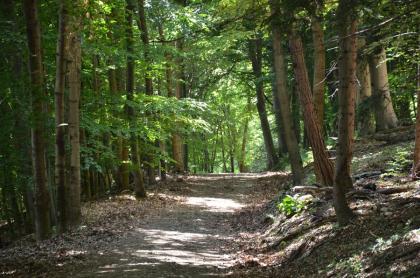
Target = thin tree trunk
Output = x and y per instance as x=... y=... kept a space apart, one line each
x=223 y=151
x=74 y=79
x=385 y=115
x=177 y=148
x=123 y=143
x=255 y=55
x=60 y=125
x=242 y=167
x=284 y=102
x=144 y=34
x=346 y=111
x=415 y=172
x=139 y=189
x=39 y=110
x=316 y=141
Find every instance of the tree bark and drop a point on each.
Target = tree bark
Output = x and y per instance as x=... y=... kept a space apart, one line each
x=177 y=145
x=139 y=189
x=39 y=111
x=385 y=115
x=144 y=34
x=346 y=110
x=316 y=141
x=242 y=166
x=255 y=55
x=284 y=102
x=74 y=79
x=415 y=172
x=364 y=101
x=318 y=86
x=60 y=124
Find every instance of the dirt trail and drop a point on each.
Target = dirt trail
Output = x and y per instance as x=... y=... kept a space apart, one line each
x=193 y=238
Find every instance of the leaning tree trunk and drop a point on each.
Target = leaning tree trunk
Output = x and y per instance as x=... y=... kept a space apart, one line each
x=324 y=164
x=284 y=102
x=318 y=86
x=60 y=126
x=385 y=115
x=255 y=54
x=346 y=109
x=73 y=206
x=39 y=110
x=139 y=189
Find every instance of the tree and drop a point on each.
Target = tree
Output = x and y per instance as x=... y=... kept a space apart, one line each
x=415 y=171
x=318 y=86
x=284 y=102
x=364 y=100
x=39 y=113
x=148 y=82
x=347 y=27
x=255 y=55
x=60 y=124
x=384 y=111
x=73 y=209
x=324 y=164
x=139 y=189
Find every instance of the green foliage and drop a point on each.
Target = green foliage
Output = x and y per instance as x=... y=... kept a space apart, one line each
x=290 y=205
x=400 y=162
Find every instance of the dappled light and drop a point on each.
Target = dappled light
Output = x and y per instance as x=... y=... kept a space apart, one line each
x=214 y=204
x=197 y=138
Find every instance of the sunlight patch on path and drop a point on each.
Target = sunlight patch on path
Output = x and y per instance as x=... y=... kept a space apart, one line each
x=214 y=204
x=182 y=248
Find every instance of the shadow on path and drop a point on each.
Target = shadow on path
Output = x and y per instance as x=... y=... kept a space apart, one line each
x=190 y=239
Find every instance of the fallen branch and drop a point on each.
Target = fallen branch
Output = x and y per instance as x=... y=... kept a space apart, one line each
x=312 y=189
x=393 y=190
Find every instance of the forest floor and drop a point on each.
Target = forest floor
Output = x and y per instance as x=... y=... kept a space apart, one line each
x=229 y=225
x=184 y=229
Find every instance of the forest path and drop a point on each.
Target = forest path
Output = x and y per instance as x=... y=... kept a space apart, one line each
x=192 y=238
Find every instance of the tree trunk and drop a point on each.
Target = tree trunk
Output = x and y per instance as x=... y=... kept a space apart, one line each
x=318 y=86
x=316 y=141
x=123 y=143
x=177 y=145
x=385 y=115
x=39 y=111
x=255 y=55
x=74 y=79
x=319 y=72
x=364 y=101
x=281 y=141
x=242 y=167
x=346 y=109
x=139 y=189
x=284 y=102
x=416 y=163
x=60 y=125
x=144 y=34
